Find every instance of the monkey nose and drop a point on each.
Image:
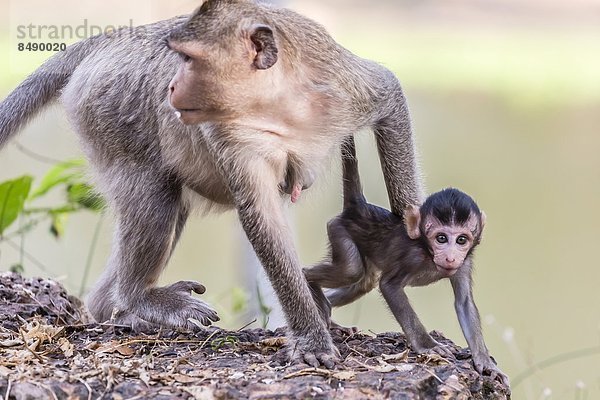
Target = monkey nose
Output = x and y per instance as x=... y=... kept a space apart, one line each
x=450 y=260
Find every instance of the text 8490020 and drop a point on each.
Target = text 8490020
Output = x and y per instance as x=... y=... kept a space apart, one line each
x=33 y=46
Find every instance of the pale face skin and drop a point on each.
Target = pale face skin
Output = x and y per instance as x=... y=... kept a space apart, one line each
x=198 y=92
x=450 y=244
x=234 y=83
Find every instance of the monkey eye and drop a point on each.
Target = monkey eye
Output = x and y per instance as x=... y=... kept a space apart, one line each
x=462 y=240
x=184 y=57
x=441 y=238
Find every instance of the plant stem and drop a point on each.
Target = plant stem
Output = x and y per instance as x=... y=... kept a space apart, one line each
x=50 y=210
x=22 y=250
x=557 y=359
x=27 y=255
x=26 y=228
x=90 y=255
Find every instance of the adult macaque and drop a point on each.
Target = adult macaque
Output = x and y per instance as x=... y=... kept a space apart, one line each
x=370 y=245
x=216 y=104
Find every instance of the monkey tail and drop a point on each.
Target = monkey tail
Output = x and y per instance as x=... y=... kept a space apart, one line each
x=40 y=88
x=353 y=193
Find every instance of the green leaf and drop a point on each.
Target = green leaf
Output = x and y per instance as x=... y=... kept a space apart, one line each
x=69 y=208
x=239 y=300
x=17 y=268
x=84 y=195
x=65 y=172
x=57 y=229
x=12 y=200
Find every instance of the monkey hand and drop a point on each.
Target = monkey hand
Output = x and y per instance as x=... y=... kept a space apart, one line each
x=434 y=347
x=486 y=366
x=174 y=306
x=314 y=351
x=442 y=350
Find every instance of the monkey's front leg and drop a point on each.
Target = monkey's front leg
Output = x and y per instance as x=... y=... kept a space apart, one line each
x=470 y=323
x=253 y=184
x=395 y=143
x=418 y=338
x=262 y=218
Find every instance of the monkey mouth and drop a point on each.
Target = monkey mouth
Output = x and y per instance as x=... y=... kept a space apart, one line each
x=180 y=111
x=447 y=270
x=187 y=115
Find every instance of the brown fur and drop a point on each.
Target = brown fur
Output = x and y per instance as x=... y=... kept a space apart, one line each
x=266 y=86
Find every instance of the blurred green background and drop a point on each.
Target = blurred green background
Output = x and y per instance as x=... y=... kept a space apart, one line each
x=505 y=100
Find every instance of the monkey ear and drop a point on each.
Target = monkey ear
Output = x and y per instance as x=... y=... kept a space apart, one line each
x=264 y=44
x=482 y=218
x=412 y=220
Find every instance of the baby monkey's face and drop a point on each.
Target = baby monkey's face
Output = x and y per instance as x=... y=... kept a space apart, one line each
x=451 y=224
x=450 y=244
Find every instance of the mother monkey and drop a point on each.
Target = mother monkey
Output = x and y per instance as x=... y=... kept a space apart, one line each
x=238 y=103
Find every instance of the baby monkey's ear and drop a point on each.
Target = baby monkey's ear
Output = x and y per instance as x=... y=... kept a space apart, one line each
x=412 y=220
x=481 y=226
x=483 y=218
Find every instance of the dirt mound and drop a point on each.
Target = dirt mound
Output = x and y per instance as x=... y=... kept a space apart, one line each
x=49 y=350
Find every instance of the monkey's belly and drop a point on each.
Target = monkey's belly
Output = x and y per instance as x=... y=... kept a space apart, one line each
x=214 y=192
x=197 y=171
x=427 y=275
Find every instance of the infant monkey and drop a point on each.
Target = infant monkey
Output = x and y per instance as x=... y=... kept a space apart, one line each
x=371 y=245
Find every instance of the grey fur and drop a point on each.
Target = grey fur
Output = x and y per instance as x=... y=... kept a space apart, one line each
x=115 y=91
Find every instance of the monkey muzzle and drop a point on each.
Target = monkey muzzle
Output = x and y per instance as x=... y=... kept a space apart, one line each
x=446 y=270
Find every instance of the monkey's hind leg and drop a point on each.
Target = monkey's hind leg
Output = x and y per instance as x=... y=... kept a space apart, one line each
x=322 y=303
x=346 y=265
x=345 y=268
x=150 y=215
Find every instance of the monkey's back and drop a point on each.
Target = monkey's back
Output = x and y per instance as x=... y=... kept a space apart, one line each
x=383 y=242
x=372 y=228
x=121 y=87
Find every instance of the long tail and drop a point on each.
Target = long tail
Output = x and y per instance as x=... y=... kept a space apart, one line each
x=40 y=88
x=353 y=193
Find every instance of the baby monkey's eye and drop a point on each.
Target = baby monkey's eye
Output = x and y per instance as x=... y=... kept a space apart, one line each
x=441 y=238
x=462 y=240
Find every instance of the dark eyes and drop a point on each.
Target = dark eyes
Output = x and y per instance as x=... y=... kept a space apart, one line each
x=185 y=58
x=442 y=238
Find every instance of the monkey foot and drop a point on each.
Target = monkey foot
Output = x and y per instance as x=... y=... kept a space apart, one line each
x=348 y=330
x=174 y=306
x=485 y=366
x=134 y=322
x=307 y=351
x=316 y=359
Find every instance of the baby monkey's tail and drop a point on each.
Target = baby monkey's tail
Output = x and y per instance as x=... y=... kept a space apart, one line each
x=353 y=193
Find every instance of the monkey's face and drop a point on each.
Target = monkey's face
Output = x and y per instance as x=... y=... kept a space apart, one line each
x=450 y=244
x=225 y=64
x=451 y=225
x=197 y=91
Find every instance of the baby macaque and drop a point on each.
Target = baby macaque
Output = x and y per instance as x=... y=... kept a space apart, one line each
x=371 y=245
